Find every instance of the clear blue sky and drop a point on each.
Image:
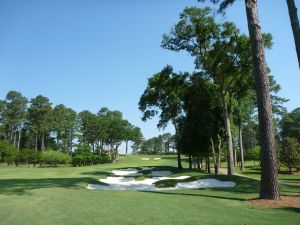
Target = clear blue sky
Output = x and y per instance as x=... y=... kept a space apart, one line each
x=88 y=54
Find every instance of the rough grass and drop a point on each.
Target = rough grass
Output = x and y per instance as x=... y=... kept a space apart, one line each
x=58 y=196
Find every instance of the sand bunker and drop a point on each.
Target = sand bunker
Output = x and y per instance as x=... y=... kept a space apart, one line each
x=127 y=172
x=122 y=183
x=145 y=158
x=156 y=158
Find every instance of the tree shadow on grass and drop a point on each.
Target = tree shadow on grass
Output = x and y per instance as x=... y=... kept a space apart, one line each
x=22 y=186
x=196 y=195
x=98 y=173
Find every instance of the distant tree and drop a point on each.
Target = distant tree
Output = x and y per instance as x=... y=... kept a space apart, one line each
x=290 y=125
x=14 y=115
x=64 y=124
x=290 y=154
x=8 y=152
x=136 y=139
x=88 y=128
x=40 y=119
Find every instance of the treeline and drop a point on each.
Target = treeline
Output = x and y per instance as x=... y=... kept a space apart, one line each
x=162 y=144
x=32 y=131
x=214 y=108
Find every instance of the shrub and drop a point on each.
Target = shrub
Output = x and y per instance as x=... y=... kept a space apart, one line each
x=29 y=156
x=253 y=154
x=89 y=159
x=55 y=157
x=290 y=154
x=8 y=153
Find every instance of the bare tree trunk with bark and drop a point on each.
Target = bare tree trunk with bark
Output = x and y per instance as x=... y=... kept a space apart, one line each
x=215 y=157
x=269 y=180
x=241 y=142
x=230 y=161
x=295 y=25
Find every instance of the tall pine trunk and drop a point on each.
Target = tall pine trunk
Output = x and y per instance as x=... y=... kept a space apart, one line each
x=241 y=142
x=126 y=147
x=230 y=162
x=269 y=180
x=295 y=25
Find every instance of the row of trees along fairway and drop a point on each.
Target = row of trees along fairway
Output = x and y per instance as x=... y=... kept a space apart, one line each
x=209 y=104
x=36 y=125
x=269 y=180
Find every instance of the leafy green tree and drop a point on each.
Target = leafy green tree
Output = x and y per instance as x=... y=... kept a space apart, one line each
x=269 y=177
x=29 y=156
x=290 y=125
x=290 y=154
x=14 y=115
x=220 y=52
x=137 y=140
x=163 y=96
x=134 y=135
x=88 y=128
x=64 y=124
x=8 y=152
x=202 y=125
x=40 y=119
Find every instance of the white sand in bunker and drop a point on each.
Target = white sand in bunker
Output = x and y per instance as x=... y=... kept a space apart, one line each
x=145 y=158
x=126 y=183
x=127 y=172
x=130 y=184
x=156 y=158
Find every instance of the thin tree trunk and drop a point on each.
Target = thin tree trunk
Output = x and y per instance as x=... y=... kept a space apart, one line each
x=215 y=156
x=234 y=157
x=190 y=162
x=178 y=150
x=36 y=142
x=219 y=151
x=43 y=142
x=208 y=165
x=241 y=142
x=269 y=178
x=230 y=162
x=15 y=138
x=19 y=140
x=201 y=161
x=295 y=25
x=198 y=163
x=126 y=147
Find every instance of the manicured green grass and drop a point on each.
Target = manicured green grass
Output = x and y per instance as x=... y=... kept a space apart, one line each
x=253 y=170
x=58 y=196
